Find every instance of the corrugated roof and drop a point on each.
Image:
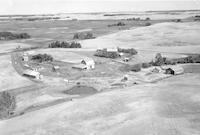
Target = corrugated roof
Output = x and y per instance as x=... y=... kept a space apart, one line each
x=31 y=72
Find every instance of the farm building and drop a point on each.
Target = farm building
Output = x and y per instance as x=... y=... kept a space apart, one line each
x=31 y=74
x=174 y=70
x=155 y=70
x=86 y=63
x=112 y=50
x=169 y=71
x=55 y=68
x=25 y=57
x=126 y=59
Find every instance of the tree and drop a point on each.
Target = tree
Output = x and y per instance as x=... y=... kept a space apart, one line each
x=148 y=24
x=158 y=60
x=42 y=58
x=13 y=36
x=63 y=44
x=82 y=35
x=147 y=19
x=131 y=51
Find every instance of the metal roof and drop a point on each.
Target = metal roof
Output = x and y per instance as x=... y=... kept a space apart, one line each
x=31 y=72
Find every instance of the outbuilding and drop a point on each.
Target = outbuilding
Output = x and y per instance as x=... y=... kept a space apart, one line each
x=25 y=57
x=31 y=74
x=169 y=71
x=126 y=59
x=174 y=70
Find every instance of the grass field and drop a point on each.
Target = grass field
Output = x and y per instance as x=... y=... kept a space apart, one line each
x=10 y=79
x=165 y=107
x=168 y=107
x=43 y=32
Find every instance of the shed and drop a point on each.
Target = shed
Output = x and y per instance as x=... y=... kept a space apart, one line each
x=25 y=57
x=169 y=71
x=55 y=68
x=31 y=74
x=175 y=70
x=126 y=59
x=155 y=70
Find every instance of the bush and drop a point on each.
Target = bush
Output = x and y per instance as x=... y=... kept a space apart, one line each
x=42 y=58
x=159 y=60
x=147 y=19
x=75 y=45
x=178 y=20
x=131 y=51
x=106 y=54
x=189 y=59
x=117 y=24
x=134 y=68
x=58 y=44
x=7 y=104
x=148 y=24
x=82 y=35
x=146 y=65
x=12 y=36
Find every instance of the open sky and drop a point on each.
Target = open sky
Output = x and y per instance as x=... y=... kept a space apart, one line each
x=80 y=6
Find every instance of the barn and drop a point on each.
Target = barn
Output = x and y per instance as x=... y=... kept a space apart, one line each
x=31 y=74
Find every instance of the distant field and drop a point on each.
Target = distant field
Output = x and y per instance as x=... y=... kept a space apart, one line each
x=43 y=32
x=11 y=46
x=163 y=37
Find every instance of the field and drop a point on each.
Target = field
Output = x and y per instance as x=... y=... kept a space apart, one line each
x=43 y=32
x=10 y=79
x=164 y=37
x=11 y=46
x=147 y=103
x=168 y=107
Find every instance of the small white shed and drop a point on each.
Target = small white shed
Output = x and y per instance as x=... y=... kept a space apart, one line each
x=25 y=57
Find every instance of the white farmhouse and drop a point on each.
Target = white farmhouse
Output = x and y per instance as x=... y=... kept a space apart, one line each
x=89 y=63
x=86 y=63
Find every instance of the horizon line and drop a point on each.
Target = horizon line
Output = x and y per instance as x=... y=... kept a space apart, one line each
x=30 y=14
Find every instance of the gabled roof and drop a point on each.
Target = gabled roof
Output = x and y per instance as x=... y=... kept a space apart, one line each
x=177 y=69
x=88 y=60
x=31 y=72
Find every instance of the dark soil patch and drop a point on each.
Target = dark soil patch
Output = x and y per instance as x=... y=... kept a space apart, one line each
x=81 y=90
